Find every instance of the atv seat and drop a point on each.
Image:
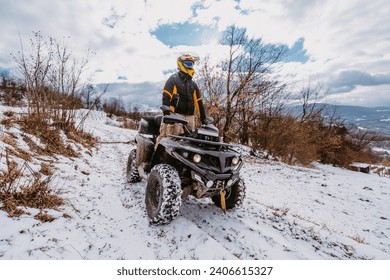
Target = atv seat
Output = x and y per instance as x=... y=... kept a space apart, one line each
x=150 y=125
x=157 y=121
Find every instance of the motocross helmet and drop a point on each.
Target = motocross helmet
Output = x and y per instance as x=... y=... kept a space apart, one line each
x=185 y=63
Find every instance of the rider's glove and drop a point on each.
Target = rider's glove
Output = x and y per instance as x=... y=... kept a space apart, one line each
x=207 y=121
x=167 y=112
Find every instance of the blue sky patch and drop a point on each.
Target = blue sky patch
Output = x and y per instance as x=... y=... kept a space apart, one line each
x=122 y=78
x=197 y=6
x=4 y=72
x=187 y=33
x=297 y=53
x=242 y=11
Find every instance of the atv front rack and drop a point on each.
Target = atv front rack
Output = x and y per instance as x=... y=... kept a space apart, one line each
x=200 y=141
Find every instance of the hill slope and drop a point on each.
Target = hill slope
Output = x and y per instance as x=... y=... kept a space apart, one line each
x=290 y=213
x=374 y=119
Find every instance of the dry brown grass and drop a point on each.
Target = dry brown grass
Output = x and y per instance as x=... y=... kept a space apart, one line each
x=50 y=136
x=9 y=119
x=20 y=186
x=128 y=125
x=10 y=176
x=52 y=94
x=18 y=152
x=46 y=169
x=297 y=141
x=33 y=146
x=358 y=239
x=84 y=138
x=38 y=195
x=48 y=132
x=44 y=217
x=385 y=162
x=13 y=147
x=17 y=192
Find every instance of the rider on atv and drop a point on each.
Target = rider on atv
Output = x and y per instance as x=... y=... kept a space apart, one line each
x=177 y=160
x=183 y=97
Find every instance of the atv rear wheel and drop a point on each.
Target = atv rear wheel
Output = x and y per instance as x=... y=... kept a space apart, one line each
x=132 y=174
x=234 y=198
x=163 y=194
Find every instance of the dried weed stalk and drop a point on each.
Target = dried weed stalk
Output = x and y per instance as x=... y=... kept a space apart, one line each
x=15 y=192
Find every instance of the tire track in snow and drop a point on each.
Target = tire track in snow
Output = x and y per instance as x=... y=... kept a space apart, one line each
x=196 y=222
x=207 y=224
x=245 y=232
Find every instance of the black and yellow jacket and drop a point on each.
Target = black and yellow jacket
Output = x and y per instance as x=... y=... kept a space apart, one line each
x=182 y=94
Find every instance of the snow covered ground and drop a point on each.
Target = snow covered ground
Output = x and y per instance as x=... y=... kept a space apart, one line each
x=290 y=213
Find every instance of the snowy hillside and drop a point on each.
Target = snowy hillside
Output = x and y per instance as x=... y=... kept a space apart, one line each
x=290 y=213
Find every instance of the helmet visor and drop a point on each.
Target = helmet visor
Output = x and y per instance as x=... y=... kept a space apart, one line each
x=188 y=63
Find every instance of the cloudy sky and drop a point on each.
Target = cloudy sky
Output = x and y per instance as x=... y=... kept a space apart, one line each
x=343 y=45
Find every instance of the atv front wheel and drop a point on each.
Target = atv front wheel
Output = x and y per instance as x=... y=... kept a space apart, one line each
x=234 y=198
x=163 y=194
x=132 y=174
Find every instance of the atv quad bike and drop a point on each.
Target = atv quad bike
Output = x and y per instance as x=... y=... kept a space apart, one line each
x=195 y=163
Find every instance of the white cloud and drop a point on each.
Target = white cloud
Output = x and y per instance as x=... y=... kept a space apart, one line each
x=362 y=96
x=349 y=35
x=167 y=11
x=220 y=13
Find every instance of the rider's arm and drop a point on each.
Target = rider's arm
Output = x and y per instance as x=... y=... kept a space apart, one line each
x=199 y=105
x=169 y=95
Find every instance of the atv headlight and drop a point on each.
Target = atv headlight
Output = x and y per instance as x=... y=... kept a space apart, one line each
x=235 y=160
x=197 y=158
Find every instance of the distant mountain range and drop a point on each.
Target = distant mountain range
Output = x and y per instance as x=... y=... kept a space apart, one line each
x=376 y=119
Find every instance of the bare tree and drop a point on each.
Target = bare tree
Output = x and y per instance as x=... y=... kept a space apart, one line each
x=11 y=90
x=242 y=79
x=34 y=64
x=52 y=77
x=213 y=87
x=115 y=106
x=88 y=94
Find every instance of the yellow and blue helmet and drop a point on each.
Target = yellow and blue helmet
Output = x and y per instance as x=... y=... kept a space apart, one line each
x=185 y=63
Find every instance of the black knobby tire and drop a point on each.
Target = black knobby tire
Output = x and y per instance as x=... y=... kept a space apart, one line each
x=163 y=194
x=234 y=198
x=132 y=174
